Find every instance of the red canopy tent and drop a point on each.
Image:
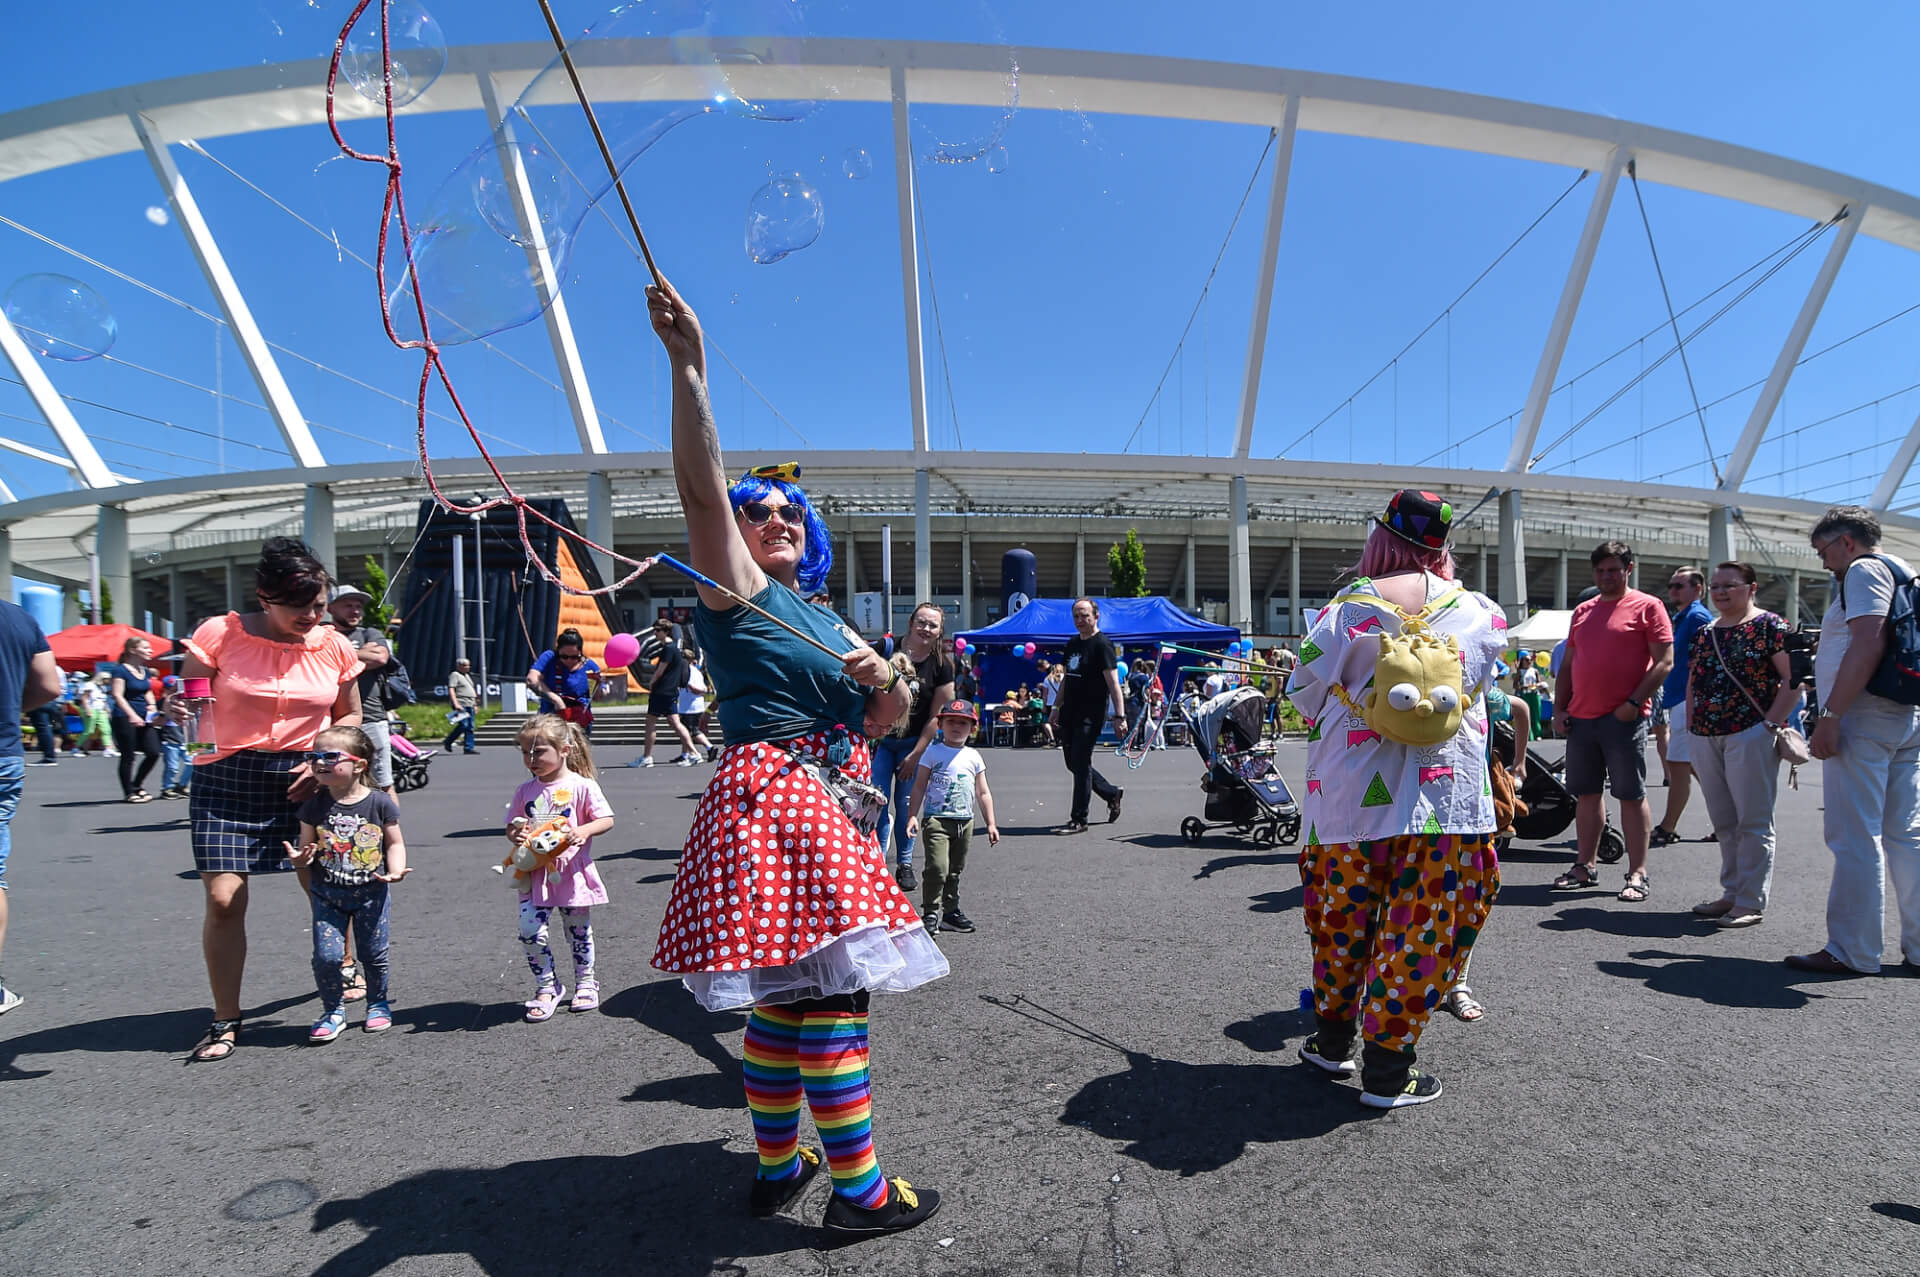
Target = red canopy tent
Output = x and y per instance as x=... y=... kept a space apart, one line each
x=79 y=648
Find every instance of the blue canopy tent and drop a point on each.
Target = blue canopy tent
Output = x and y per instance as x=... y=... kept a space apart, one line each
x=1136 y=626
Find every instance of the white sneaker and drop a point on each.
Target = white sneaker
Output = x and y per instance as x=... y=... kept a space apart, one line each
x=685 y=760
x=646 y=760
x=112 y=753
x=9 y=1000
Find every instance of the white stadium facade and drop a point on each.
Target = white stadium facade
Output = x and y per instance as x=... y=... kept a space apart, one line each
x=1250 y=541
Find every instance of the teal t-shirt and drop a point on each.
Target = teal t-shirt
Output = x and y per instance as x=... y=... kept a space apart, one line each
x=768 y=685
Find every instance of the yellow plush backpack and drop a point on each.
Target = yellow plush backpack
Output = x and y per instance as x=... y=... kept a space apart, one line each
x=1418 y=695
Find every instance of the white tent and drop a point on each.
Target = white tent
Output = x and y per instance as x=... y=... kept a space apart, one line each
x=1543 y=629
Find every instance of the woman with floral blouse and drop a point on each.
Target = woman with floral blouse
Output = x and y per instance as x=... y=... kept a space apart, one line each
x=1739 y=694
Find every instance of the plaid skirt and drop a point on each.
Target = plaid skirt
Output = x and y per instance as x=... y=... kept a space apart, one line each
x=240 y=814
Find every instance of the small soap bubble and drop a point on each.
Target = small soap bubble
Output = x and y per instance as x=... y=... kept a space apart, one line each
x=784 y=216
x=997 y=160
x=857 y=164
x=419 y=52
x=61 y=317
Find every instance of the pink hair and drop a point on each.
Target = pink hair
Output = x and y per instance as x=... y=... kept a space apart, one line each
x=1387 y=553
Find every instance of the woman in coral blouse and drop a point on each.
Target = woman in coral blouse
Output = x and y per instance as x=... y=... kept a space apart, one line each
x=278 y=676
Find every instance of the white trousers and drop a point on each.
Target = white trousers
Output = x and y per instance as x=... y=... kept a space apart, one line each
x=1873 y=804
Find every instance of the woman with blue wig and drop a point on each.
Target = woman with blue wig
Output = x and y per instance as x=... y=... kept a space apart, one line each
x=783 y=903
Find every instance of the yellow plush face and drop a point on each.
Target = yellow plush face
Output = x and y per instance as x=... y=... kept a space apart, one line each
x=1416 y=697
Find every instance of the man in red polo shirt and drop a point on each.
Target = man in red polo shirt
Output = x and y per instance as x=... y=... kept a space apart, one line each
x=1619 y=651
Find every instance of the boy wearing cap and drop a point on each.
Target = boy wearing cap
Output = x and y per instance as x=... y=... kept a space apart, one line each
x=949 y=787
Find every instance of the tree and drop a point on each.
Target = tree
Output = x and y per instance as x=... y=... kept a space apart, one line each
x=1127 y=567
x=379 y=612
x=106 y=604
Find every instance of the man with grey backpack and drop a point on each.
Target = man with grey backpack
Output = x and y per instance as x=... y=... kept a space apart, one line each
x=1867 y=737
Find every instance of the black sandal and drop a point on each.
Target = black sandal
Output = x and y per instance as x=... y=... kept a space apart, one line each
x=221 y=1033
x=1639 y=887
x=1579 y=878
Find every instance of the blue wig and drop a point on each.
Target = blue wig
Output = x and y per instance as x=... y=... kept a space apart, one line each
x=818 y=560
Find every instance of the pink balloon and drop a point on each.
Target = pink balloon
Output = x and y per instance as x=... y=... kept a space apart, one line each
x=622 y=651
x=1029 y=649
x=959 y=645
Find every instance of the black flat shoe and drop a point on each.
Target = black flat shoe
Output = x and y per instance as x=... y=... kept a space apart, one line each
x=906 y=1207
x=1113 y=805
x=769 y=1195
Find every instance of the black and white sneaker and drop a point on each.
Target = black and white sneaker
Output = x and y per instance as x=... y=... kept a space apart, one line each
x=44 y=762
x=1420 y=1088
x=1327 y=1060
x=906 y=877
x=931 y=920
x=906 y=1207
x=954 y=920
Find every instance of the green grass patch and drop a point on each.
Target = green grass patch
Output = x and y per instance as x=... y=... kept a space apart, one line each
x=427 y=721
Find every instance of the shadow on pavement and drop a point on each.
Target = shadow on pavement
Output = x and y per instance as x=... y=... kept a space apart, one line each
x=173 y=826
x=1220 y=863
x=1721 y=980
x=158 y=1032
x=640 y=853
x=666 y=1007
x=456 y=1017
x=1197 y=1118
x=491 y=831
x=1277 y=901
x=1897 y=1210
x=1631 y=921
x=1269 y=1031
x=666 y=1211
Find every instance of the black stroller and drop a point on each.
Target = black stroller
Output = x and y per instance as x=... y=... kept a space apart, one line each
x=410 y=762
x=1550 y=804
x=1244 y=789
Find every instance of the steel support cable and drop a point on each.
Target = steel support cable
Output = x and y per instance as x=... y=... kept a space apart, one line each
x=1180 y=344
x=1673 y=320
x=620 y=234
x=1792 y=245
x=939 y=331
x=1676 y=349
x=1444 y=315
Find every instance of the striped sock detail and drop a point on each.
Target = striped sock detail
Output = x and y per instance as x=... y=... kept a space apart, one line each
x=771 y=1064
x=833 y=1069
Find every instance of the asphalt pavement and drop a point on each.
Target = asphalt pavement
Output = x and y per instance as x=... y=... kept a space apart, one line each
x=1105 y=1084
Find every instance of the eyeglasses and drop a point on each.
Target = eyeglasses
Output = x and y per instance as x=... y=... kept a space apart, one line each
x=1820 y=547
x=758 y=512
x=326 y=758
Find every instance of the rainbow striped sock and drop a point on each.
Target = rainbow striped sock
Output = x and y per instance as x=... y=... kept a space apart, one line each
x=771 y=1059
x=833 y=1068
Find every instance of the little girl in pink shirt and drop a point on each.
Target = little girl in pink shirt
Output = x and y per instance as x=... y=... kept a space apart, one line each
x=562 y=788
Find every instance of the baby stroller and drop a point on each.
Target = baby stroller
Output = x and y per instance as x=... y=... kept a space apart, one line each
x=1244 y=789
x=409 y=760
x=1550 y=804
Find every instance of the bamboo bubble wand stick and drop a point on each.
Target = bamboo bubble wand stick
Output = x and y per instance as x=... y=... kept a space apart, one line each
x=718 y=588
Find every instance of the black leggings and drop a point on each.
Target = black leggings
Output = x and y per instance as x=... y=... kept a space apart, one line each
x=132 y=738
x=1078 y=737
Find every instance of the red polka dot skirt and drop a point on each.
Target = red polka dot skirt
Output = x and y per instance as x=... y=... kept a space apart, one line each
x=773 y=875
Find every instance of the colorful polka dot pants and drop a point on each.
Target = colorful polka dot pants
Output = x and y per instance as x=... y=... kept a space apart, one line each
x=1392 y=922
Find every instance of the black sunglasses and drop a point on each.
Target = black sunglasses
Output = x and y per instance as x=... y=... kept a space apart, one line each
x=758 y=512
x=573 y=659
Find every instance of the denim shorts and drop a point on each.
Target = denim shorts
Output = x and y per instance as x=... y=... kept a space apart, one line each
x=1607 y=752
x=13 y=773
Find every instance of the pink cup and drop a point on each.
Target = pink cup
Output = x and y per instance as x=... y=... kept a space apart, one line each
x=197 y=689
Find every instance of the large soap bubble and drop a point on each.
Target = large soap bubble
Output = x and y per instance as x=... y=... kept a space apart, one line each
x=784 y=217
x=419 y=52
x=61 y=318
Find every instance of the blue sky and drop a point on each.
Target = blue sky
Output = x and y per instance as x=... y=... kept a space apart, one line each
x=1063 y=282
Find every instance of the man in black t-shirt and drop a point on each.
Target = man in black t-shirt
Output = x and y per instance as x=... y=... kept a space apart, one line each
x=666 y=674
x=1089 y=694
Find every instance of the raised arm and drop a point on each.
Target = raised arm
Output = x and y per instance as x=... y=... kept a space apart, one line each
x=699 y=472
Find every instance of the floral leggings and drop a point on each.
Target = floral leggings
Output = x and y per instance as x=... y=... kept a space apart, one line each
x=533 y=938
x=1392 y=923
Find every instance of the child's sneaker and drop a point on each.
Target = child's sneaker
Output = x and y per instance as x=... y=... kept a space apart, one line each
x=328 y=1027
x=9 y=1000
x=905 y=1207
x=1322 y=1056
x=1420 y=1088
x=954 y=920
x=645 y=760
x=379 y=1017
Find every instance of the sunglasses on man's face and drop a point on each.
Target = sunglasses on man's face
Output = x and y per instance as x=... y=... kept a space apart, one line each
x=758 y=512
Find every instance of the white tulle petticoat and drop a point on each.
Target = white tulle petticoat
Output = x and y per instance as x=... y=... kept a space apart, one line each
x=870 y=958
